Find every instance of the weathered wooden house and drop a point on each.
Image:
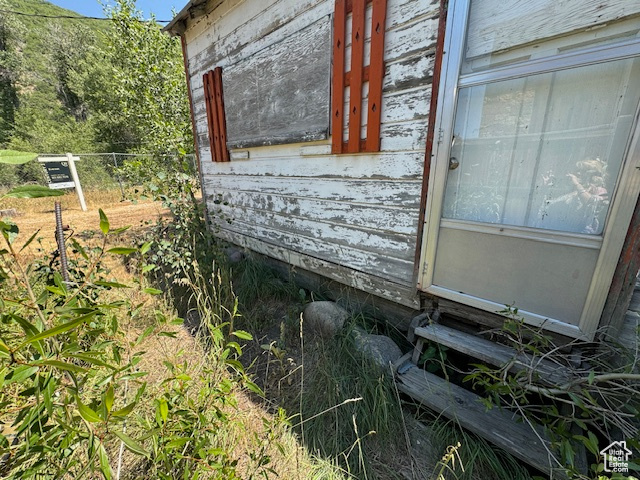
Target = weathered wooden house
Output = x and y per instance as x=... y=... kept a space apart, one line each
x=455 y=155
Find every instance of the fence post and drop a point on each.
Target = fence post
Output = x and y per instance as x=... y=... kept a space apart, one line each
x=115 y=162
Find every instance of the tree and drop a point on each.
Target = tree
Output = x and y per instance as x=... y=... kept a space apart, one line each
x=143 y=103
x=10 y=63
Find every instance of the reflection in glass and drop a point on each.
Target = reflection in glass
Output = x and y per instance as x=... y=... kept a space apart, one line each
x=543 y=151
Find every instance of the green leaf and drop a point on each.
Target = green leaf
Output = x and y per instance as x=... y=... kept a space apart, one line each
x=164 y=409
x=254 y=388
x=242 y=335
x=65 y=327
x=4 y=349
x=20 y=374
x=131 y=444
x=31 y=238
x=146 y=247
x=109 y=396
x=152 y=291
x=92 y=360
x=105 y=468
x=80 y=249
x=33 y=191
x=123 y=412
x=87 y=413
x=61 y=365
x=111 y=284
x=104 y=222
x=14 y=157
x=117 y=231
x=122 y=250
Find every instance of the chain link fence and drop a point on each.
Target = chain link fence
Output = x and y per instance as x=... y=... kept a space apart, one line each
x=97 y=171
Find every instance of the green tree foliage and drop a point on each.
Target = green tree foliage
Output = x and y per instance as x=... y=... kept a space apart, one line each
x=90 y=86
x=10 y=63
x=143 y=104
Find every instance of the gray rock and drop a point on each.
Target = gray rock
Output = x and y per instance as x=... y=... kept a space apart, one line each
x=324 y=318
x=234 y=255
x=379 y=348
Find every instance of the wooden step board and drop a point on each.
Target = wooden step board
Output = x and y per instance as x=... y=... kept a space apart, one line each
x=499 y=427
x=490 y=352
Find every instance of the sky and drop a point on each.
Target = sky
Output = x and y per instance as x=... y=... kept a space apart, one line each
x=91 y=8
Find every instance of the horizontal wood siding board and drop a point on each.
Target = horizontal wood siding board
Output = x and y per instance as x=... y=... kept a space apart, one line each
x=270 y=25
x=339 y=80
x=399 y=271
x=395 y=245
x=381 y=219
x=374 y=103
x=366 y=192
x=386 y=166
x=375 y=285
x=283 y=86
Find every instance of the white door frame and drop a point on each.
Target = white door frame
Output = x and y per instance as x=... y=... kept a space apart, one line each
x=622 y=204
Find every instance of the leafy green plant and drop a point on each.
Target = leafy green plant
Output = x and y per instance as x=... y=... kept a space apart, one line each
x=61 y=370
x=593 y=407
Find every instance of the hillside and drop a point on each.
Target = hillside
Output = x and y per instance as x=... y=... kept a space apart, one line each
x=43 y=105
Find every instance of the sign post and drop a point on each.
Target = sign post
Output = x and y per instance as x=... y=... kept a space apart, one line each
x=61 y=173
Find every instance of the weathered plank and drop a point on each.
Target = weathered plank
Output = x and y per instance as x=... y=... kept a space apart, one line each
x=372 y=284
x=495 y=354
x=500 y=427
x=285 y=162
x=391 y=244
x=397 y=270
x=496 y=26
x=371 y=192
x=378 y=218
x=281 y=95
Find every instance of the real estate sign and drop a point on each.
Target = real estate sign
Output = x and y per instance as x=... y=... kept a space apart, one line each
x=58 y=175
x=61 y=173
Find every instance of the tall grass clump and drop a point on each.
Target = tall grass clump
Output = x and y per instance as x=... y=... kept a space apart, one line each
x=348 y=406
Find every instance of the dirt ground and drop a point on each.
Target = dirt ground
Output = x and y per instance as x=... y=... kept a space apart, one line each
x=32 y=215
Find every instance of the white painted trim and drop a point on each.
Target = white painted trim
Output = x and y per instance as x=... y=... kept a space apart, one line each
x=558 y=238
x=591 y=56
x=457 y=16
x=532 y=319
x=313 y=150
x=622 y=206
x=239 y=154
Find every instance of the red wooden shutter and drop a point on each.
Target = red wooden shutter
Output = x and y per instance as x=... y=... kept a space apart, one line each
x=356 y=75
x=216 y=120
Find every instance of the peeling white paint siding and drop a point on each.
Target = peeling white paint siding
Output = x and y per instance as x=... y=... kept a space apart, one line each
x=351 y=218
